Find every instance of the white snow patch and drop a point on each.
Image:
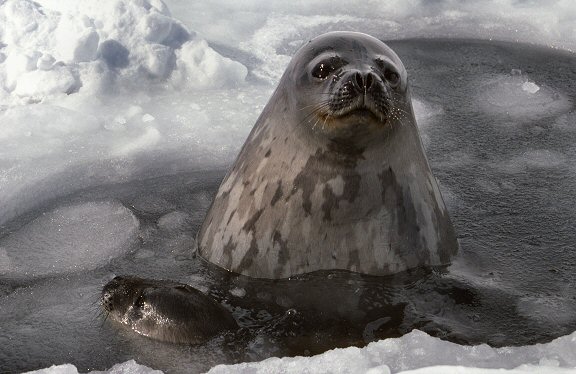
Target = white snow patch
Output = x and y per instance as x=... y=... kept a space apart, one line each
x=530 y=87
x=128 y=367
x=200 y=66
x=414 y=353
x=63 y=47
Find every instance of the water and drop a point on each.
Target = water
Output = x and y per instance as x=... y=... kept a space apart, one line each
x=498 y=123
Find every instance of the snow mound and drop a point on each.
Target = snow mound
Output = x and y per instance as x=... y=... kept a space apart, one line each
x=68 y=239
x=128 y=367
x=414 y=353
x=418 y=350
x=51 y=48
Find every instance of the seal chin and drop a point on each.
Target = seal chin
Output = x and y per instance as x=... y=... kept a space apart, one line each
x=352 y=123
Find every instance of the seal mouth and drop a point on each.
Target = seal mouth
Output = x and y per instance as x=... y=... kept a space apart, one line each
x=372 y=104
x=364 y=112
x=351 y=116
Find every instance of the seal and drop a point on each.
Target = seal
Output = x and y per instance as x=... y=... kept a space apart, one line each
x=332 y=177
x=333 y=174
x=165 y=310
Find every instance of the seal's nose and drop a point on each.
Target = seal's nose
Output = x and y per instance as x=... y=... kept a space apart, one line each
x=106 y=300
x=363 y=81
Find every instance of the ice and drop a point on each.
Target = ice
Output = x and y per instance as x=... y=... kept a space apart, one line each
x=68 y=239
x=238 y=292
x=523 y=369
x=530 y=87
x=57 y=369
x=551 y=310
x=534 y=159
x=174 y=221
x=418 y=350
x=128 y=367
x=147 y=118
x=518 y=97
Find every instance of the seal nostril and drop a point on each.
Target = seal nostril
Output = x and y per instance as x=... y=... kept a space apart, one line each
x=369 y=80
x=359 y=80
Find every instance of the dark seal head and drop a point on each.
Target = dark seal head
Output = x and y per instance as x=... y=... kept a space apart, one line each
x=333 y=174
x=165 y=310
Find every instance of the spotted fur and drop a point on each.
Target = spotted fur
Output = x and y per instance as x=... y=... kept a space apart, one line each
x=333 y=174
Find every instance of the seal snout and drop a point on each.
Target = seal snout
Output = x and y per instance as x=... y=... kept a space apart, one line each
x=106 y=300
x=361 y=92
x=118 y=294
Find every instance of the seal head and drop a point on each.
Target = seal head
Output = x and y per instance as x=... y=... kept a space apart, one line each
x=165 y=310
x=333 y=174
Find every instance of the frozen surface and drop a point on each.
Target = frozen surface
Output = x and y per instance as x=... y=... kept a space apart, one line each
x=398 y=356
x=516 y=96
x=68 y=239
x=117 y=119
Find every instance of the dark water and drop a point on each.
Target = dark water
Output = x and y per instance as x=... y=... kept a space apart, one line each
x=505 y=160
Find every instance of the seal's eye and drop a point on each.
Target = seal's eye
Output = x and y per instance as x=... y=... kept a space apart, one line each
x=390 y=74
x=326 y=67
x=392 y=77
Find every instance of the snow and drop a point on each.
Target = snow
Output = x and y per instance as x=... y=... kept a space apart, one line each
x=101 y=93
x=406 y=355
x=54 y=47
x=400 y=355
x=128 y=367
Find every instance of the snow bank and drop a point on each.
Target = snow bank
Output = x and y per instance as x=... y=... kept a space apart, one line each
x=52 y=48
x=416 y=350
x=414 y=353
x=128 y=367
